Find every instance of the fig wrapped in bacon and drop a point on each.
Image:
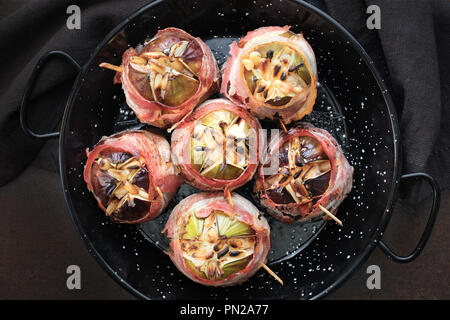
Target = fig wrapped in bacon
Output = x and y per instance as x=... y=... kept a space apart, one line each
x=273 y=72
x=168 y=76
x=131 y=176
x=303 y=170
x=217 y=146
x=214 y=244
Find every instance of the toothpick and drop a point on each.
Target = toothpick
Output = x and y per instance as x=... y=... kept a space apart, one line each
x=273 y=274
x=282 y=125
x=159 y=192
x=179 y=122
x=110 y=66
x=228 y=196
x=332 y=216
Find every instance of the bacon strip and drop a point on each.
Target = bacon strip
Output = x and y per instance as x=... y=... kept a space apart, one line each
x=159 y=114
x=236 y=89
x=181 y=147
x=155 y=151
x=205 y=203
x=340 y=183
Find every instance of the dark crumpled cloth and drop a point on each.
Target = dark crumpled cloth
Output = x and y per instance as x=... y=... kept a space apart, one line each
x=411 y=51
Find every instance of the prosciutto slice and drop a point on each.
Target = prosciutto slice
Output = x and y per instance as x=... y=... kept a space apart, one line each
x=273 y=72
x=304 y=169
x=214 y=244
x=217 y=146
x=131 y=175
x=164 y=79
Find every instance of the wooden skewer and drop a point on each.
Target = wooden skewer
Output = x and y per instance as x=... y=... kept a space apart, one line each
x=179 y=122
x=273 y=274
x=159 y=192
x=110 y=66
x=282 y=125
x=228 y=196
x=332 y=216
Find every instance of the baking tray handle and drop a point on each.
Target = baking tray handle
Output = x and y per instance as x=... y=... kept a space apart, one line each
x=29 y=89
x=430 y=223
